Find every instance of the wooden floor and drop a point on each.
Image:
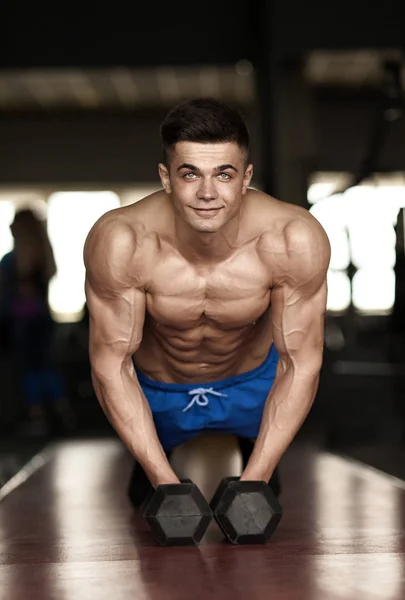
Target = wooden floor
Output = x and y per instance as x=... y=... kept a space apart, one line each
x=68 y=533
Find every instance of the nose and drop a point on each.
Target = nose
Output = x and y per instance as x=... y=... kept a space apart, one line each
x=207 y=190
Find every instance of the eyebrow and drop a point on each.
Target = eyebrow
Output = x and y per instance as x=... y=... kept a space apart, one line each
x=197 y=170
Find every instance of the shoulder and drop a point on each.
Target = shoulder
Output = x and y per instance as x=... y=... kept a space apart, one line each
x=125 y=228
x=304 y=235
x=281 y=222
x=111 y=235
x=120 y=243
x=292 y=241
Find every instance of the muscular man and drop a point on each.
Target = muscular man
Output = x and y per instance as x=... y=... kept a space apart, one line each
x=206 y=303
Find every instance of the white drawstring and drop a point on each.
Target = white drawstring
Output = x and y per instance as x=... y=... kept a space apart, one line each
x=200 y=398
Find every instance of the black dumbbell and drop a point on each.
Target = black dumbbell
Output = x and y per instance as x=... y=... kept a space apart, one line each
x=177 y=514
x=247 y=511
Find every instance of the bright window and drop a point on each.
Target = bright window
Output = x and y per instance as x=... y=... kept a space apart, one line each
x=7 y=211
x=70 y=218
x=360 y=226
x=339 y=291
x=374 y=289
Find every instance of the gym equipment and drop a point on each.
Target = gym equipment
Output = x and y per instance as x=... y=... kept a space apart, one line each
x=246 y=511
x=177 y=514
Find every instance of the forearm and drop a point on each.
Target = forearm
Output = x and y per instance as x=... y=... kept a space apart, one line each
x=128 y=411
x=286 y=408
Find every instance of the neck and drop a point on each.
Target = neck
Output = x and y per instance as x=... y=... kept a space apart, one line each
x=197 y=246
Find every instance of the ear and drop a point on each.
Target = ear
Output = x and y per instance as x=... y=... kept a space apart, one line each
x=165 y=178
x=247 y=178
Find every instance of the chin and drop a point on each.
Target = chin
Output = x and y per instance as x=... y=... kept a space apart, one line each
x=207 y=226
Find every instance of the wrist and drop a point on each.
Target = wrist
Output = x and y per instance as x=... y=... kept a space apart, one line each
x=257 y=473
x=255 y=476
x=161 y=475
x=260 y=466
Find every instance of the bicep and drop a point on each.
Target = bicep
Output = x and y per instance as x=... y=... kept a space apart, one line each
x=116 y=325
x=299 y=295
x=115 y=299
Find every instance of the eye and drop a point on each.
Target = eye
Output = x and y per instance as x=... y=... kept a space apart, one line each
x=224 y=176
x=190 y=176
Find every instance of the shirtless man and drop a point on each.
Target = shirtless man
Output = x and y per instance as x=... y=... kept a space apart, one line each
x=206 y=303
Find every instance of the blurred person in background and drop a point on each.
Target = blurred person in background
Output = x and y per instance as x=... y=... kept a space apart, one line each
x=25 y=273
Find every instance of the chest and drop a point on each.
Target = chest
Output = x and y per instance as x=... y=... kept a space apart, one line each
x=231 y=294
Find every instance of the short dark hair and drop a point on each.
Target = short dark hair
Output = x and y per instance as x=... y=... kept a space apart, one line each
x=203 y=120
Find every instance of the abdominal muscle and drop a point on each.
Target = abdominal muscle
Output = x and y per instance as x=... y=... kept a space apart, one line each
x=202 y=354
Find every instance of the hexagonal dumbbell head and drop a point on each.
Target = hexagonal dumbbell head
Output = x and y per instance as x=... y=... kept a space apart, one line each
x=246 y=511
x=177 y=514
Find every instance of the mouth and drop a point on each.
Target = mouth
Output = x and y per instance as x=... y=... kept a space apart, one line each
x=207 y=211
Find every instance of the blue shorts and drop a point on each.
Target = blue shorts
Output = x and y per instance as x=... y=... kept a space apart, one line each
x=233 y=405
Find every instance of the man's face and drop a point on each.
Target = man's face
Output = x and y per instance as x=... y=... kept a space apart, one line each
x=206 y=183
